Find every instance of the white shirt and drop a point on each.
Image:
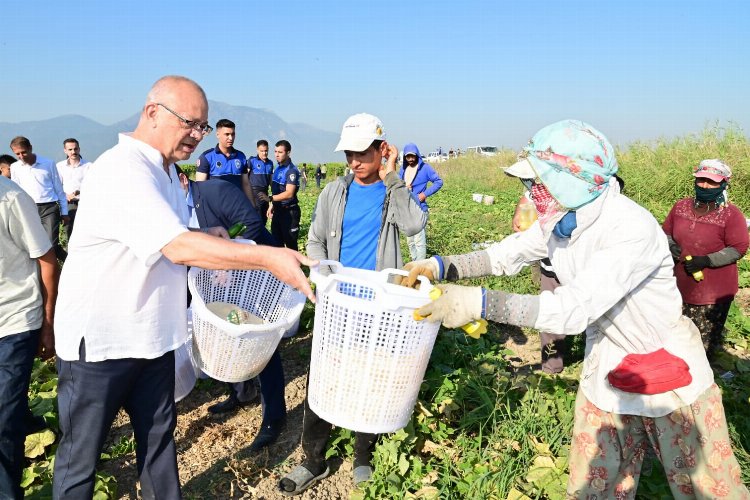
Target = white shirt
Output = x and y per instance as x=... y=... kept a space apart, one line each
x=72 y=176
x=41 y=181
x=618 y=284
x=117 y=291
x=22 y=241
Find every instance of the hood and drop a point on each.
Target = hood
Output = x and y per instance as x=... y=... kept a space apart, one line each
x=412 y=148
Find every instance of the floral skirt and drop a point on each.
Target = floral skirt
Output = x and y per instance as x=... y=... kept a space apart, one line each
x=692 y=443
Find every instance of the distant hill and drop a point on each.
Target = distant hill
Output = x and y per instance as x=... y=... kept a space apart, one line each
x=309 y=144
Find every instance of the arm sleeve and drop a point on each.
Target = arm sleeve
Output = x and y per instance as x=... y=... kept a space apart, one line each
x=203 y=165
x=436 y=181
x=516 y=251
x=409 y=215
x=58 y=187
x=317 y=235
x=736 y=240
x=25 y=228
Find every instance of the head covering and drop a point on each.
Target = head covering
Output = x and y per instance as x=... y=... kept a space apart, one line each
x=572 y=159
x=715 y=169
x=359 y=131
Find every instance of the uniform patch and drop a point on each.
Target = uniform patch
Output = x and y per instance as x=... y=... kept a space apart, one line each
x=291 y=177
x=198 y=163
x=218 y=163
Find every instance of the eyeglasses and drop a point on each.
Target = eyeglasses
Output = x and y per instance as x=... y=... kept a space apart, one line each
x=204 y=128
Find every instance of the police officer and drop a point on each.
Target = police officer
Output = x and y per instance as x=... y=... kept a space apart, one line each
x=223 y=160
x=260 y=170
x=284 y=210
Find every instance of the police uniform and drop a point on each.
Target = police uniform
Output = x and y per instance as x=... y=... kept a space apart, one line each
x=260 y=173
x=216 y=164
x=286 y=213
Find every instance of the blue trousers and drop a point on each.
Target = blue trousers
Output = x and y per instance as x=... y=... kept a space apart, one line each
x=16 y=359
x=89 y=396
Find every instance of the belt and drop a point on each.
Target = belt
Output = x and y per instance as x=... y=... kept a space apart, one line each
x=44 y=204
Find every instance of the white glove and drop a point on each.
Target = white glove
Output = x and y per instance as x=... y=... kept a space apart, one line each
x=429 y=268
x=457 y=306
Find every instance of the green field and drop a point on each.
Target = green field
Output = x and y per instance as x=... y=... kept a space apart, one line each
x=481 y=428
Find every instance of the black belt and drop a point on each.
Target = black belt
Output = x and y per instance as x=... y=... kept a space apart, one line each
x=288 y=207
x=46 y=203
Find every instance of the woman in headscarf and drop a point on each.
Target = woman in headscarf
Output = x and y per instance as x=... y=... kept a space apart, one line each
x=707 y=236
x=645 y=379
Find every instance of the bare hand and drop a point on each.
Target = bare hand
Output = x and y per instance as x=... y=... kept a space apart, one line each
x=65 y=219
x=71 y=196
x=218 y=231
x=46 y=341
x=269 y=212
x=422 y=197
x=391 y=156
x=284 y=263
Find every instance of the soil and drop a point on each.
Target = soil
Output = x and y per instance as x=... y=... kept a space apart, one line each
x=213 y=451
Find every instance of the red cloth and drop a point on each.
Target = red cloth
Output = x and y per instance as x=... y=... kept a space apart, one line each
x=725 y=227
x=652 y=373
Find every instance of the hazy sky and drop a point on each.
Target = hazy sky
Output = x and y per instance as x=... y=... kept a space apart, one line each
x=448 y=73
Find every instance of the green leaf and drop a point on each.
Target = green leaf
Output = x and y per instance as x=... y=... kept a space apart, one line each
x=35 y=443
x=403 y=464
x=28 y=476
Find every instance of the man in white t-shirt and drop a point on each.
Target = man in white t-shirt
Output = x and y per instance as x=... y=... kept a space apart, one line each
x=27 y=307
x=123 y=293
x=72 y=171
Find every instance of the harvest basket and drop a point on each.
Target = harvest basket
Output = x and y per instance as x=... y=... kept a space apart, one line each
x=369 y=355
x=234 y=353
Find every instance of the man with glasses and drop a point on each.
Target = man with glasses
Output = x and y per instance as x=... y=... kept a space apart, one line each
x=223 y=160
x=122 y=302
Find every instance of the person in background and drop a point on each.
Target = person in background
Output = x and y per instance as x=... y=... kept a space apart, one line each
x=71 y=172
x=284 y=208
x=28 y=291
x=121 y=310
x=260 y=172
x=5 y=162
x=39 y=178
x=218 y=203
x=224 y=160
x=423 y=181
x=318 y=175
x=357 y=221
x=645 y=379
x=303 y=177
x=713 y=232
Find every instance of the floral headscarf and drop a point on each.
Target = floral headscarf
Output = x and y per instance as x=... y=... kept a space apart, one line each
x=573 y=160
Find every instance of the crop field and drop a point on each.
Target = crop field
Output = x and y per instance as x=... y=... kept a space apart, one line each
x=488 y=423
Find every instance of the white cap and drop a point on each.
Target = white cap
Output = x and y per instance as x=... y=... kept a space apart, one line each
x=359 y=131
x=521 y=169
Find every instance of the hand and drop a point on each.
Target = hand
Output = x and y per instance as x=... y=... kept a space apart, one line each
x=391 y=156
x=65 y=219
x=269 y=212
x=457 y=306
x=429 y=268
x=697 y=263
x=46 y=341
x=71 y=196
x=422 y=197
x=284 y=263
x=217 y=231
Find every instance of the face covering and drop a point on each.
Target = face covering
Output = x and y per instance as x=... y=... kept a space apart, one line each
x=710 y=195
x=565 y=227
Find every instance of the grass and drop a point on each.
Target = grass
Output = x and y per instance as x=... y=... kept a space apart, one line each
x=481 y=431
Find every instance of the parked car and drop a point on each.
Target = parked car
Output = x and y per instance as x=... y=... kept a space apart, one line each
x=436 y=157
x=482 y=150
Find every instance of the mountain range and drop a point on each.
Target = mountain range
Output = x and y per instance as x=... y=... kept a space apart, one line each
x=309 y=144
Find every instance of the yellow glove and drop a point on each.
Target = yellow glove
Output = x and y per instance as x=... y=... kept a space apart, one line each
x=455 y=306
x=429 y=268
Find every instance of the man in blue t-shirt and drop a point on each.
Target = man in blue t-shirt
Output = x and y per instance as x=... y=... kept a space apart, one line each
x=223 y=160
x=284 y=211
x=260 y=170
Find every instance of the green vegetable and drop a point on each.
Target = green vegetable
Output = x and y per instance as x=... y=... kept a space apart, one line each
x=236 y=230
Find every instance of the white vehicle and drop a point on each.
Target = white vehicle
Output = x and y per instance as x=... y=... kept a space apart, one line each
x=482 y=150
x=436 y=157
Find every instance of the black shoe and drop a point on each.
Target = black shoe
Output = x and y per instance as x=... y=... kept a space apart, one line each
x=268 y=434
x=34 y=424
x=228 y=405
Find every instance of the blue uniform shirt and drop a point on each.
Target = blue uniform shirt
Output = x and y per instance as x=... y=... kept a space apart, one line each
x=230 y=168
x=260 y=173
x=283 y=175
x=363 y=216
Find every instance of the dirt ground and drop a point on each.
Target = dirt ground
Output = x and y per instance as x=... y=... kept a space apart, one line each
x=213 y=452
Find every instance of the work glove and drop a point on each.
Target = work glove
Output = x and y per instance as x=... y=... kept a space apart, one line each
x=674 y=249
x=697 y=263
x=456 y=306
x=429 y=268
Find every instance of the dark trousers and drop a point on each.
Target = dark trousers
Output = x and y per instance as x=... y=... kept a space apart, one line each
x=16 y=359
x=271 y=389
x=72 y=211
x=315 y=435
x=285 y=225
x=49 y=213
x=89 y=396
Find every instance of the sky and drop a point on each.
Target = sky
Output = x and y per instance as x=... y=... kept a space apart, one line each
x=438 y=73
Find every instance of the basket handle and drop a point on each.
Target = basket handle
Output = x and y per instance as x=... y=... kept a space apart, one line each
x=424 y=283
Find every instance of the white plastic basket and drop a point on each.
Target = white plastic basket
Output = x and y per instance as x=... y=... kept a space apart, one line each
x=369 y=355
x=234 y=353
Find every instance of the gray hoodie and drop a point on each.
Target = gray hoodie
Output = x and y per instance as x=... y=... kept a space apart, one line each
x=401 y=212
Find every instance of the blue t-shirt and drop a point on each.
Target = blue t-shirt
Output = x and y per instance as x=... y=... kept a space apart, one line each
x=216 y=164
x=260 y=173
x=283 y=175
x=363 y=216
